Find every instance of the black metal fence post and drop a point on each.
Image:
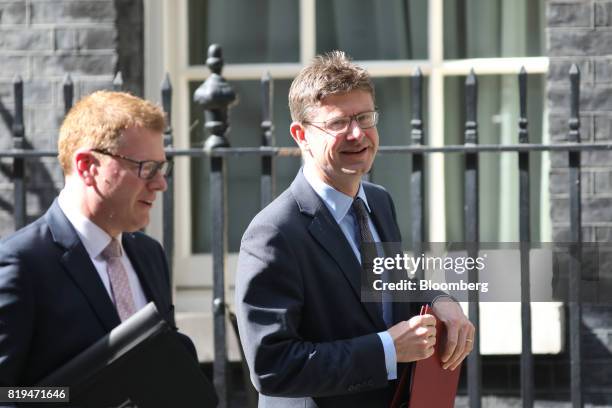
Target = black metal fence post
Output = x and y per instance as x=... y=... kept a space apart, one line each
x=215 y=95
x=268 y=176
x=417 y=181
x=68 y=88
x=575 y=261
x=19 y=188
x=168 y=197
x=525 y=238
x=118 y=82
x=471 y=226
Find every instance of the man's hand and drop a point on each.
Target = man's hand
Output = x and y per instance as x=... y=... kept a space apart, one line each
x=414 y=339
x=459 y=332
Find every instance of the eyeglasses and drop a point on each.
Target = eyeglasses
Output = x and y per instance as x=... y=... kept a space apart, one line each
x=147 y=169
x=340 y=125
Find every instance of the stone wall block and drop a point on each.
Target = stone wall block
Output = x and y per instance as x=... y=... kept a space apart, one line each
x=558 y=70
x=559 y=127
x=6 y=217
x=592 y=98
x=603 y=234
x=569 y=15
x=59 y=65
x=559 y=211
x=603 y=127
x=578 y=42
x=6 y=141
x=603 y=14
x=559 y=182
x=38 y=92
x=13 y=12
x=603 y=182
x=594 y=210
x=96 y=38
x=597 y=210
x=598 y=373
x=597 y=316
x=558 y=160
x=52 y=176
x=598 y=98
x=597 y=158
x=6 y=92
x=73 y=12
x=25 y=40
x=87 y=87
x=561 y=233
x=42 y=121
x=603 y=69
x=65 y=39
x=11 y=65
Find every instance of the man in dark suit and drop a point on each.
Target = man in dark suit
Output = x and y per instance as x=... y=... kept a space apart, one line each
x=309 y=339
x=73 y=275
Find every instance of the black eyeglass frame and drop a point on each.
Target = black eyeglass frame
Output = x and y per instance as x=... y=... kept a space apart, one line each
x=158 y=164
x=348 y=126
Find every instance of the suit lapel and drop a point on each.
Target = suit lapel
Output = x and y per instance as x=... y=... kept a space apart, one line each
x=77 y=263
x=330 y=237
x=382 y=219
x=143 y=269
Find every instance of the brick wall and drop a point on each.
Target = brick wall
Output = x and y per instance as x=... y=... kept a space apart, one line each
x=43 y=40
x=581 y=32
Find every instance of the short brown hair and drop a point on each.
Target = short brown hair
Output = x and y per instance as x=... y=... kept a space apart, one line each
x=328 y=74
x=98 y=120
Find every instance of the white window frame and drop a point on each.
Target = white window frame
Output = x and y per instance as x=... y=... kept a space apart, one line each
x=166 y=50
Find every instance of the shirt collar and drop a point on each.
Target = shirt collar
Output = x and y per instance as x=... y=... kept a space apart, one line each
x=94 y=238
x=336 y=202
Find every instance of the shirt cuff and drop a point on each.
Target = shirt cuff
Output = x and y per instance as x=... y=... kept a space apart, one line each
x=442 y=297
x=390 y=356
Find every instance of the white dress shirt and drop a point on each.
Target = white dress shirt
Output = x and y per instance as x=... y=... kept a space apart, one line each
x=95 y=239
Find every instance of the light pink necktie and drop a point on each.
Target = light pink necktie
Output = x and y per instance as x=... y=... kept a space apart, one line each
x=120 y=284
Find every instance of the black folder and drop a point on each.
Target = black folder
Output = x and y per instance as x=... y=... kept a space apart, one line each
x=141 y=363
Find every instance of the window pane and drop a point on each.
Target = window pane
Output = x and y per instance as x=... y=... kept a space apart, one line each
x=243 y=172
x=373 y=29
x=249 y=31
x=498 y=112
x=493 y=28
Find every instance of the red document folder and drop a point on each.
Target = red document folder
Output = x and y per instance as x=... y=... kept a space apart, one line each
x=431 y=386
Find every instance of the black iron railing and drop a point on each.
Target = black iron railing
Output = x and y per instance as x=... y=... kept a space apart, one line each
x=215 y=96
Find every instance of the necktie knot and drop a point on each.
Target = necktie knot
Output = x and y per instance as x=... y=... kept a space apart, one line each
x=112 y=250
x=360 y=208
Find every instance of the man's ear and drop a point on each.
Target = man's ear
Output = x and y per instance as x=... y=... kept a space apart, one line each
x=85 y=166
x=299 y=135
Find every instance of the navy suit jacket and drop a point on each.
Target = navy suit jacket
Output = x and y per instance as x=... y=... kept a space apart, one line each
x=53 y=303
x=307 y=337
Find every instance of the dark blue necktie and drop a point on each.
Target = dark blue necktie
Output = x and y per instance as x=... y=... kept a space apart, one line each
x=365 y=236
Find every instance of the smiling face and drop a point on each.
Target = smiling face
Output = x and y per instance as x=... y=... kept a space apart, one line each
x=120 y=201
x=339 y=161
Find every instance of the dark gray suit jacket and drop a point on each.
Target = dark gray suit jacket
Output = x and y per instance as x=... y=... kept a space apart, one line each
x=53 y=303
x=308 y=339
